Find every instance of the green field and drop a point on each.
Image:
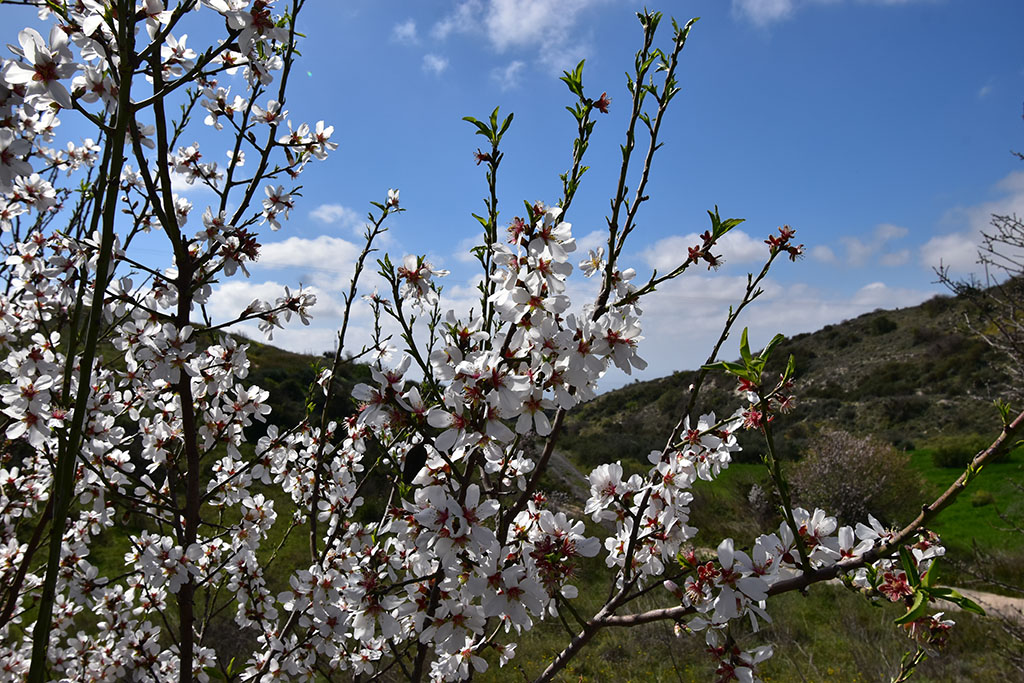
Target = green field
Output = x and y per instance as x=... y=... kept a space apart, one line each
x=974 y=517
x=829 y=634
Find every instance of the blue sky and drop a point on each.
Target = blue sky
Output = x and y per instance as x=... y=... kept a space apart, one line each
x=880 y=129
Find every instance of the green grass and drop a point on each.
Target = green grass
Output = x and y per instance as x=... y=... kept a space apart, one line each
x=963 y=524
x=830 y=634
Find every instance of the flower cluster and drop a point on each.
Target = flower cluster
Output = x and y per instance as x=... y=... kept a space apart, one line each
x=139 y=425
x=130 y=420
x=652 y=516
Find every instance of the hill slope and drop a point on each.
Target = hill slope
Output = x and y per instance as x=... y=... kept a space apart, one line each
x=905 y=376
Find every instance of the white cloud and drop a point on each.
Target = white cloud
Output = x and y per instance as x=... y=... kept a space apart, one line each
x=958 y=249
x=336 y=214
x=857 y=251
x=462 y=298
x=405 y=32
x=803 y=307
x=463 y=20
x=324 y=261
x=896 y=258
x=887 y=231
x=180 y=186
x=231 y=298
x=702 y=291
x=434 y=64
x=739 y=247
x=668 y=252
x=508 y=77
x=462 y=251
x=880 y=295
x=592 y=240
x=1013 y=183
x=530 y=22
x=860 y=252
x=544 y=24
x=684 y=318
x=299 y=339
x=764 y=12
x=823 y=254
x=984 y=91
x=546 y=29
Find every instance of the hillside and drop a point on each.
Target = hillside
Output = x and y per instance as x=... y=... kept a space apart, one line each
x=907 y=376
x=288 y=376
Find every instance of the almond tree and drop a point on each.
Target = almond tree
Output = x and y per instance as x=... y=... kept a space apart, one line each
x=125 y=403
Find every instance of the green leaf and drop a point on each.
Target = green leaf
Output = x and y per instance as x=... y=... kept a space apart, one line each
x=720 y=227
x=505 y=125
x=917 y=609
x=910 y=567
x=767 y=351
x=737 y=369
x=790 y=367
x=1004 y=411
x=529 y=212
x=574 y=80
x=716 y=221
x=730 y=223
x=745 y=349
x=963 y=602
x=482 y=128
x=929 y=576
x=214 y=673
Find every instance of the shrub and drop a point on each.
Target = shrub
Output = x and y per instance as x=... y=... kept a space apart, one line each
x=922 y=335
x=893 y=378
x=883 y=324
x=982 y=498
x=854 y=477
x=898 y=411
x=957 y=450
x=938 y=305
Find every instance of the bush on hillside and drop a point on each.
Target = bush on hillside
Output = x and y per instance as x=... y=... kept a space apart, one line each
x=856 y=477
x=957 y=450
x=883 y=324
